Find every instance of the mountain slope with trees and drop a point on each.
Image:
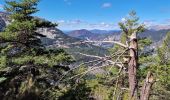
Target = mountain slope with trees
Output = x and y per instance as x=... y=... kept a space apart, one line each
x=55 y=38
x=34 y=67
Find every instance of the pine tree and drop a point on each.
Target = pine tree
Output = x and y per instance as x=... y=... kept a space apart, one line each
x=161 y=69
x=130 y=36
x=27 y=68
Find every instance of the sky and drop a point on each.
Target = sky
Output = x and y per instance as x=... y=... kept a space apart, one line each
x=101 y=14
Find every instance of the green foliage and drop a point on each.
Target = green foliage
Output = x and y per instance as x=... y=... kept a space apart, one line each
x=2 y=79
x=27 y=68
x=3 y=61
x=131 y=24
x=86 y=89
x=164 y=51
x=144 y=42
x=30 y=71
x=161 y=69
x=99 y=90
x=77 y=92
x=50 y=59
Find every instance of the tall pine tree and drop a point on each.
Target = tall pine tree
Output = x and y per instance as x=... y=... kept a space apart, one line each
x=27 y=69
x=131 y=29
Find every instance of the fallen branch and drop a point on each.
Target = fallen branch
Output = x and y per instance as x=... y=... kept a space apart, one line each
x=90 y=68
x=115 y=42
x=76 y=68
x=94 y=56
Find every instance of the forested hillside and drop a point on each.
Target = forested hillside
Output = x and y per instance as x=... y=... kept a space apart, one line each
x=39 y=62
x=55 y=38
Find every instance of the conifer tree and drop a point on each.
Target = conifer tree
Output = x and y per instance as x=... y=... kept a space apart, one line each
x=161 y=69
x=27 y=68
x=130 y=36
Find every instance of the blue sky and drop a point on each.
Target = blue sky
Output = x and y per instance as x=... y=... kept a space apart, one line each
x=101 y=14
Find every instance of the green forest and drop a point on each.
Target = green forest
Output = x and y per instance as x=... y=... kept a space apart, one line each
x=30 y=70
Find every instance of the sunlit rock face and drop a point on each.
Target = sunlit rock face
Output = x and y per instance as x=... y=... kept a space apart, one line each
x=53 y=35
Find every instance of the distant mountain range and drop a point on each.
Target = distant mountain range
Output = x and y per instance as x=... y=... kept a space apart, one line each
x=82 y=34
x=96 y=35
x=93 y=34
x=55 y=38
x=159 y=27
x=155 y=35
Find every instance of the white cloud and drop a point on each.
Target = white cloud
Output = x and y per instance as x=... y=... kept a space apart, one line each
x=150 y=23
x=103 y=26
x=70 y=23
x=81 y=24
x=156 y=25
x=106 y=5
x=67 y=2
x=166 y=21
x=61 y=21
x=102 y=23
x=75 y=24
x=77 y=21
x=160 y=27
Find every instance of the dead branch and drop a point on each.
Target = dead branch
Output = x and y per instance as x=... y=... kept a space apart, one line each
x=63 y=75
x=90 y=68
x=118 y=58
x=94 y=68
x=145 y=92
x=115 y=42
x=93 y=56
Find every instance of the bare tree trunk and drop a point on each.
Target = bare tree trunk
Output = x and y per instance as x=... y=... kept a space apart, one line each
x=145 y=91
x=132 y=66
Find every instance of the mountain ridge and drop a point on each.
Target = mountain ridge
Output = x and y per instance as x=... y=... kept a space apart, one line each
x=155 y=35
x=55 y=38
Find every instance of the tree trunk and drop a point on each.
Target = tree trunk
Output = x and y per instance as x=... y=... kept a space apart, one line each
x=145 y=91
x=132 y=66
